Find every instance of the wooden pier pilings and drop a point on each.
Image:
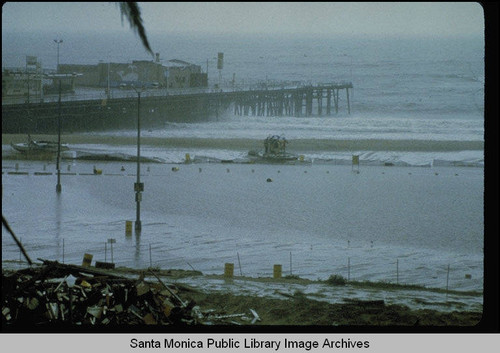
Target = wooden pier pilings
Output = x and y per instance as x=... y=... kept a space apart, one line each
x=303 y=101
x=121 y=113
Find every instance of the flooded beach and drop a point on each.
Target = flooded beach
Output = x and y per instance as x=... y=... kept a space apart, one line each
x=313 y=219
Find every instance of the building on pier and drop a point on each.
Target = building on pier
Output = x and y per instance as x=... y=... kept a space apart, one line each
x=151 y=74
x=32 y=86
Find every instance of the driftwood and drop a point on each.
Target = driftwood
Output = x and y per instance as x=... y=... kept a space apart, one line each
x=66 y=294
x=168 y=289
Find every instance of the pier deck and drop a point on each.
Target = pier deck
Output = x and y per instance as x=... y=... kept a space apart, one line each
x=96 y=111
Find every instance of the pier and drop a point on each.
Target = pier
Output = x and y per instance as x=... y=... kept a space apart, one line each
x=96 y=111
x=292 y=101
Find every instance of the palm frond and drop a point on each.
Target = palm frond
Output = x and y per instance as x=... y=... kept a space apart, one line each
x=19 y=244
x=132 y=12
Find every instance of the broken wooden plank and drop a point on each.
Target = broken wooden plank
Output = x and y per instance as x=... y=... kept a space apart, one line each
x=171 y=292
x=256 y=316
x=149 y=319
x=80 y=269
x=142 y=288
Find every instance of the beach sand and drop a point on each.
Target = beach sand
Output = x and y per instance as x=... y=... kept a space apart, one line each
x=245 y=144
x=292 y=309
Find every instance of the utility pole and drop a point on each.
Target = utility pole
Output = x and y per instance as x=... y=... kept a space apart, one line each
x=28 y=74
x=58 y=186
x=108 y=93
x=138 y=186
x=59 y=77
x=58 y=41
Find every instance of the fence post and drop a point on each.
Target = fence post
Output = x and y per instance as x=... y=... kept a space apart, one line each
x=397 y=271
x=447 y=280
x=150 y=260
x=348 y=268
x=239 y=263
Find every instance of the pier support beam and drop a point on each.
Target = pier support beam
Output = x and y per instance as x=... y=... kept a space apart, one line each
x=328 y=102
x=348 y=103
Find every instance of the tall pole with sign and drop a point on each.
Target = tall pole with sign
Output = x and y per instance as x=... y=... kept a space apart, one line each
x=31 y=65
x=58 y=41
x=220 y=66
x=138 y=186
x=58 y=162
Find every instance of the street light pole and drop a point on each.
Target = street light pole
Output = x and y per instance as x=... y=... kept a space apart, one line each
x=58 y=186
x=138 y=187
x=59 y=77
x=58 y=41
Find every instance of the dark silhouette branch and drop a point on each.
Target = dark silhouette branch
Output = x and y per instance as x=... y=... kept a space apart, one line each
x=132 y=12
x=6 y=225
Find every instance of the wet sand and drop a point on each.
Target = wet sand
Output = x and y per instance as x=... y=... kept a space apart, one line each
x=298 y=309
x=245 y=144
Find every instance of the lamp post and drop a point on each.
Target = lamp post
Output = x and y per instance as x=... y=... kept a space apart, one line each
x=138 y=186
x=58 y=41
x=58 y=186
x=59 y=78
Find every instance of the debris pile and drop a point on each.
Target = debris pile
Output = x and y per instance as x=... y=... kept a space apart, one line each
x=78 y=295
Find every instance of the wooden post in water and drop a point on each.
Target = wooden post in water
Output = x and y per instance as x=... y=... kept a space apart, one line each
x=348 y=268
x=281 y=104
x=239 y=263
x=336 y=100
x=217 y=107
x=150 y=258
x=320 y=100
x=228 y=270
x=112 y=252
x=397 y=271
x=328 y=101
x=348 y=104
x=309 y=102
x=447 y=280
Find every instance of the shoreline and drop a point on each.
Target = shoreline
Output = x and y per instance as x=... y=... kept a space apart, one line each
x=294 y=309
x=245 y=144
x=338 y=281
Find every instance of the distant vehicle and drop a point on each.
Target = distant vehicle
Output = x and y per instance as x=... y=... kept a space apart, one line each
x=274 y=150
x=123 y=85
x=38 y=146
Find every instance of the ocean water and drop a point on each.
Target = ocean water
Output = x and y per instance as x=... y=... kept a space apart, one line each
x=417 y=104
x=407 y=92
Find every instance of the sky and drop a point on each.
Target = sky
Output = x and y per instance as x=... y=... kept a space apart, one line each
x=355 y=18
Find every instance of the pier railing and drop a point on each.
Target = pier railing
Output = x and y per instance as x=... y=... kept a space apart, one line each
x=89 y=94
x=89 y=110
